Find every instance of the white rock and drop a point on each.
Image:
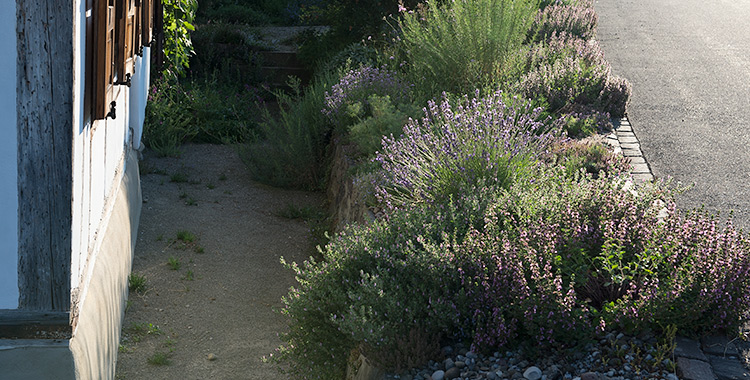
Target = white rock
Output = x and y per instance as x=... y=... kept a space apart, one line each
x=438 y=375
x=532 y=373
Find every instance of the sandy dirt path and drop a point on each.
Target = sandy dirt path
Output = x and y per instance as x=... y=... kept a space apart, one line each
x=212 y=315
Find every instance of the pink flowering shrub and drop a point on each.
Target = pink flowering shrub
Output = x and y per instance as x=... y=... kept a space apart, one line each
x=551 y=260
x=576 y=20
x=566 y=70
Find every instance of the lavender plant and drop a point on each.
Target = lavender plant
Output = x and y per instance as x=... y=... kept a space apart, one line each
x=456 y=147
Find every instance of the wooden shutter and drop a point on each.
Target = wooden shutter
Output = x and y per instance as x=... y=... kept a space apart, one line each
x=104 y=57
x=147 y=21
x=127 y=39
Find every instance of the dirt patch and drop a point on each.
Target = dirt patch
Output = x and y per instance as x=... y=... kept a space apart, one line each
x=207 y=311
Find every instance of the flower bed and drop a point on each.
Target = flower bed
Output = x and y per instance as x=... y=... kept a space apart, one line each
x=499 y=232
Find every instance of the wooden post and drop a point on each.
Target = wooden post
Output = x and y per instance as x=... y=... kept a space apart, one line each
x=45 y=142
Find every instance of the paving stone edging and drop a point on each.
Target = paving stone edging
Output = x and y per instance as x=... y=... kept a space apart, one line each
x=624 y=142
x=715 y=356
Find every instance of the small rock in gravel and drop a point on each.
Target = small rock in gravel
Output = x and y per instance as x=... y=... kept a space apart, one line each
x=672 y=376
x=532 y=373
x=448 y=363
x=438 y=375
x=459 y=364
x=452 y=373
x=211 y=357
x=590 y=376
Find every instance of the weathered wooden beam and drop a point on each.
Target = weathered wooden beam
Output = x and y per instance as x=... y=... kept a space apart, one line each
x=45 y=116
x=20 y=324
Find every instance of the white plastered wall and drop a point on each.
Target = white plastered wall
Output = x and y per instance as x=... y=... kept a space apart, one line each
x=106 y=209
x=8 y=159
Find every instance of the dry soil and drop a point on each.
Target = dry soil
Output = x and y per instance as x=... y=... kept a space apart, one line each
x=213 y=317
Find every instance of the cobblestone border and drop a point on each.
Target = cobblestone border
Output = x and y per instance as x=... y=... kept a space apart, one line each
x=625 y=142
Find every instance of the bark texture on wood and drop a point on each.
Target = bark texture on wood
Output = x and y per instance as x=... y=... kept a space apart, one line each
x=45 y=115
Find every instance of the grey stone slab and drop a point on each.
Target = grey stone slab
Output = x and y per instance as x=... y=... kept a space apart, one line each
x=692 y=369
x=728 y=369
x=628 y=139
x=630 y=145
x=624 y=128
x=629 y=152
x=688 y=348
x=718 y=345
x=637 y=160
x=640 y=169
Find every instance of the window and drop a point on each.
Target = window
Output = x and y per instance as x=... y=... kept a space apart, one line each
x=117 y=30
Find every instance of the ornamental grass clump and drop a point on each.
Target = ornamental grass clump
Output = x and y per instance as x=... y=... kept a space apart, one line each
x=455 y=147
x=460 y=45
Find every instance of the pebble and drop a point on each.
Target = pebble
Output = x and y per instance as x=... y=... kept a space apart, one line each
x=532 y=373
x=588 y=363
x=452 y=373
x=211 y=357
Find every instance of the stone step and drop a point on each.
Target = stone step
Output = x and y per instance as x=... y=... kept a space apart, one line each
x=281 y=59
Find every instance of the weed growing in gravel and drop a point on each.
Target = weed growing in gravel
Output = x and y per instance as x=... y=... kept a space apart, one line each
x=137 y=283
x=189 y=275
x=186 y=236
x=158 y=358
x=179 y=177
x=291 y=211
x=173 y=263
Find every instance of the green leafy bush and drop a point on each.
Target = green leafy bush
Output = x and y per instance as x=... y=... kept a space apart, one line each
x=458 y=46
x=199 y=111
x=593 y=158
x=382 y=119
x=226 y=53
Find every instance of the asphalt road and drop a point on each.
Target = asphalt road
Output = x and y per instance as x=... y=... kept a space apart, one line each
x=689 y=63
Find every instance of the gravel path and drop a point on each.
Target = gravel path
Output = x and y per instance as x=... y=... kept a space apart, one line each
x=213 y=316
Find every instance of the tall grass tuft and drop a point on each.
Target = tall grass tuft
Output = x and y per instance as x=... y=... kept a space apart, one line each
x=291 y=152
x=457 y=46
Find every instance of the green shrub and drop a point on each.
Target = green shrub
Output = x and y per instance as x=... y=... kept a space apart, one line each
x=200 y=111
x=593 y=158
x=250 y=12
x=383 y=119
x=291 y=150
x=459 y=46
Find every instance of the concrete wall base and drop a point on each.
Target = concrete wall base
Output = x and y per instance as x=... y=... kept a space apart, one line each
x=92 y=351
